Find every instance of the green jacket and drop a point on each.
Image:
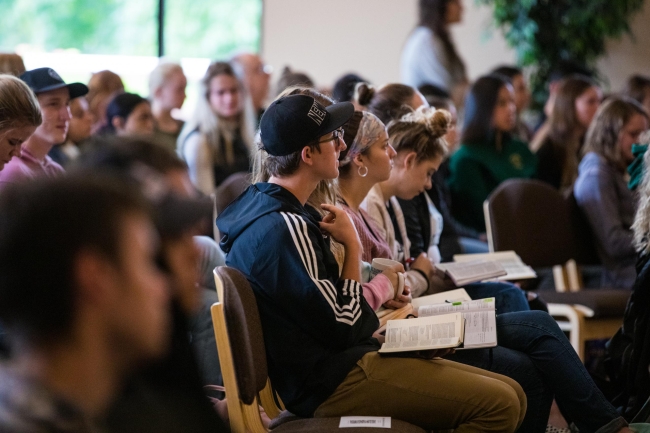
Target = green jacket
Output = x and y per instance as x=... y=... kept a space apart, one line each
x=477 y=169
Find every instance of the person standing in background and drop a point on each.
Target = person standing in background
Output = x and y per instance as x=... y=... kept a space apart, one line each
x=430 y=56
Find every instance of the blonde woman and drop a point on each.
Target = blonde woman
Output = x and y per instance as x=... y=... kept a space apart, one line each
x=167 y=84
x=218 y=140
x=601 y=189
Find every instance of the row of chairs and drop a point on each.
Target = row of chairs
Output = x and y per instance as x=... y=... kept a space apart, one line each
x=548 y=230
x=243 y=365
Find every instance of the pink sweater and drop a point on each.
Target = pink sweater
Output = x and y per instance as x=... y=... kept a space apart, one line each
x=379 y=290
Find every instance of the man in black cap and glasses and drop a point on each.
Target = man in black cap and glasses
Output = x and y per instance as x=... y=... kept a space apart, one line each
x=318 y=328
x=54 y=97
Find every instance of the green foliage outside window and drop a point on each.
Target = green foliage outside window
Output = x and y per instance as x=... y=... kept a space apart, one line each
x=196 y=28
x=542 y=32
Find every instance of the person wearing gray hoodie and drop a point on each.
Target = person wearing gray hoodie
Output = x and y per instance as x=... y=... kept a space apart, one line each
x=601 y=189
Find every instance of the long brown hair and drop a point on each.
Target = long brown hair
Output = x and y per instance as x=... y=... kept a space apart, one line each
x=565 y=133
x=611 y=117
x=433 y=15
x=207 y=122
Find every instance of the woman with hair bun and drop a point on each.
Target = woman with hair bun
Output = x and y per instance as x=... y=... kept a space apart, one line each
x=20 y=115
x=419 y=145
x=488 y=154
x=388 y=102
x=129 y=114
x=601 y=189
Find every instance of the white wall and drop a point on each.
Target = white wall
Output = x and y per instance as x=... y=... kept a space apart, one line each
x=327 y=38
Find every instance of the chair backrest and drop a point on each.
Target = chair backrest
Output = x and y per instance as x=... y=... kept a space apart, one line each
x=245 y=333
x=531 y=218
x=586 y=252
x=230 y=189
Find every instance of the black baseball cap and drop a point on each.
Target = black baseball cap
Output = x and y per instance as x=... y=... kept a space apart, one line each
x=292 y=122
x=45 y=79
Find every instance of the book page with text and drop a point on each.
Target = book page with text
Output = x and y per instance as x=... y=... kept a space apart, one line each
x=480 y=329
x=436 y=332
x=461 y=307
x=442 y=297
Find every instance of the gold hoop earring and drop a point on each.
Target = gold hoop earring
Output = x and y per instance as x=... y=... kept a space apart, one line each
x=365 y=173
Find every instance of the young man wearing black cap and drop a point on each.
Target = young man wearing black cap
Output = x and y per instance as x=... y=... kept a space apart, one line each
x=54 y=97
x=318 y=328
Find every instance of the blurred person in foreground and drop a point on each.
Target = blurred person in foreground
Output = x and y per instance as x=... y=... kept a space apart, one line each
x=92 y=310
x=167 y=396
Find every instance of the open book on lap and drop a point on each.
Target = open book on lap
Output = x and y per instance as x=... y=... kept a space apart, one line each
x=515 y=267
x=480 y=320
x=426 y=333
x=470 y=272
x=460 y=325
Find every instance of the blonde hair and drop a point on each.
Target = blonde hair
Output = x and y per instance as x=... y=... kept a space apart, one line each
x=11 y=64
x=602 y=135
x=161 y=74
x=207 y=123
x=641 y=225
x=421 y=131
x=18 y=104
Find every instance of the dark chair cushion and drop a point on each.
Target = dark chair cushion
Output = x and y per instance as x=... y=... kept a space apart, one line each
x=604 y=302
x=531 y=218
x=245 y=333
x=230 y=189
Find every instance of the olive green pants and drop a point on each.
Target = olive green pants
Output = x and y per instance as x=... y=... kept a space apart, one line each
x=433 y=394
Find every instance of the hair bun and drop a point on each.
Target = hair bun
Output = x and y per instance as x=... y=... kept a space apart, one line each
x=436 y=122
x=364 y=93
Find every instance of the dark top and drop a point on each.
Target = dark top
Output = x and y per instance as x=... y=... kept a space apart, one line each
x=316 y=325
x=627 y=354
x=550 y=163
x=241 y=161
x=478 y=168
x=166 y=396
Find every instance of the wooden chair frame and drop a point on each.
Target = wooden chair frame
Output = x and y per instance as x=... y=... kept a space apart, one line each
x=243 y=418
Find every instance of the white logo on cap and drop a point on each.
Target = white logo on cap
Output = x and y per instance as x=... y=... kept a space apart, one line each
x=53 y=74
x=316 y=113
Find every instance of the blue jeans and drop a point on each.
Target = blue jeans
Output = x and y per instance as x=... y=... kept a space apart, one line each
x=508 y=297
x=473 y=246
x=535 y=336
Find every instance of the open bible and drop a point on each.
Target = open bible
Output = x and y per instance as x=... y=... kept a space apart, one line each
x=515 y=267
x=460 y=325
x=470 y=272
